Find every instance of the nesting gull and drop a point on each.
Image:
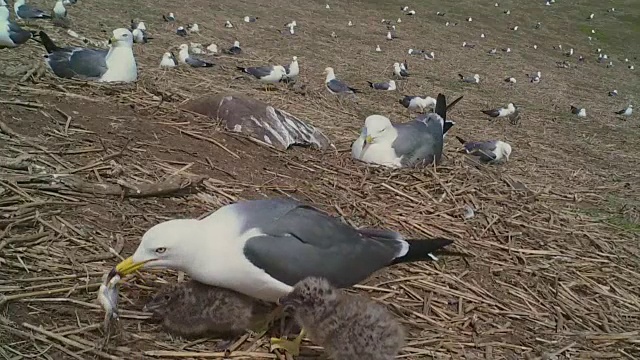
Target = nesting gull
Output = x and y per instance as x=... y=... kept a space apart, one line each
x=59 y=10
x=613 y=93
x=250 y=19
x=493 y=151
x=399 y=72
x=580 y=112
x=336 y=86
x=417 y=102
x=194 y=28
x=228 y=24
x=25 y=11
x=292 y=70
x=430 y=55
x=378 y=48
x=116 y=64
x=510 y=80
x=169 y=17
x=475 y=79
x=168 y=60
x=140 y=36
x=235 y=49
x=347 y=326
x=266 y=74
x=500 y=112
x=262 y=248
x=627 y=111
x=387 y=85
x=181 y=31
x=186 y=58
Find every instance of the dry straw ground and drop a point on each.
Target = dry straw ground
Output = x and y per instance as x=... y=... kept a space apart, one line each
x=554 y=269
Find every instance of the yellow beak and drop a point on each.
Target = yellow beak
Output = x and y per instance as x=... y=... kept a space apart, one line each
x=368 y=139
x=128 y=266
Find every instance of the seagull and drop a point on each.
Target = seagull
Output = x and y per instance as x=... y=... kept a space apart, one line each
x=397 y=71
x=168 y=60
x=391 y=36
x=169 y=17
x=470 y=46
x=626 y=112
x=538 y=25
x=411 y=144
x=411 y=12
x=228 y=24
x=430 y=56
x=510 y=80
x=333 y=34
x=569 y=53
x=417 y=102
x=438 y=13
x=292 y=70
x=405 y=8
x=140 y=36
x=591 y=16
x=262 y=248
x=507 y=12
x=492 y=51
x=475 y=79
x=389 y=85
x=613 y=93
x=212 y=49
x=24 y=11
x=469 y=19
x=327 y=7
x=181 y=31
x=501 y=112
x=291 y=24
x=116 y=64
x=138 y=25
x=535 y=47
x=378 y=48
x=194 y=28
x=515 y=28
x=415 y=52
x=69 y=2
x=496 y=5
x=399 y=20
x=11 y=34
x=482 y=36
x=59 y=11
x=185 y=58
x=250 y=19
x=336 y=86
x=547 y=3
x=611 y=10
x=507 y=50
x=350 y=23
x=631 y=67
x=581 y=112
x=235 y=49
x=491 y=152
x=535 y=78
x=266 y=74
x=387 y=22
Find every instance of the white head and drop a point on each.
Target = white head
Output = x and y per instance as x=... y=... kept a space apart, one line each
x=376 y=127
x=236 y=43
x=246 y=19
x=464 y=43
x=121 y=37
x=396 y=66
x=171 y=14
x=388 y=34
x=539 y=74
x=510 y=107
x=184 y=51
x=392 y=84
x=503 y=150
x=330 y=74
x=295 y=59
x=477 y=77
x=410 y=51
x=377 y=47
x=293 y=23
x=432 y=54
x=393 y=27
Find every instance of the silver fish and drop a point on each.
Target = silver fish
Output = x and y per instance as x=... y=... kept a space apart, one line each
x=108 y=297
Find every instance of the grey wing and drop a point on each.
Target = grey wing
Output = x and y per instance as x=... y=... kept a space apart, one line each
x=195 y=62
x=484 y=149
x=85 y=63
x=419 y=142
x=338 y=86
x=17 y=34
x=381 y=86
x=27 y=12
x=286 y=68
x=306 y=242
x=259 y=72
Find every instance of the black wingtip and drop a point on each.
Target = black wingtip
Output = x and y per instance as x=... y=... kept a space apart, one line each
x=454 y=102
x=461 y=76
x=441 y=106
x=370 y=83
x=462 y=141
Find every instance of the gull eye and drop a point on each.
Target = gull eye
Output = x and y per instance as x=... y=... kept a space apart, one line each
x=161 y=250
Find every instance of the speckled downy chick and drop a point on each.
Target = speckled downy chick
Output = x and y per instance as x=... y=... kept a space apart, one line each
x=347 y=326
x=192 y=309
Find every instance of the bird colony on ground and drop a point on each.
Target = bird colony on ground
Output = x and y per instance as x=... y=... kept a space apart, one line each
x=277 y=251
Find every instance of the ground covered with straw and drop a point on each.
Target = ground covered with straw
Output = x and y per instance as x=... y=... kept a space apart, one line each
x=552 y=272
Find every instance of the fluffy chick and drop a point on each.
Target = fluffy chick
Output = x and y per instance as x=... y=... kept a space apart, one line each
x=347 y=326
x=192 y=309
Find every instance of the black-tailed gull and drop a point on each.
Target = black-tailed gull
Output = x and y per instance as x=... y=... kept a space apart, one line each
x=11 y=34
x=168 y=60
x=181 y=31
x=399 y=72
x=250 y=19
x=387 y=85
x=116 y=64
x=336 y=86
x=235 y=49
x=580 y=112
x=510 y=79
x=25 y=11
x=138 y=25
x=140 y=36
x=411 y=144
x=169 y=17
x=186 y=58
x=492 y=151
x=59 y=11
x=501 y=112
x=417 y=102
x=194 y=28
x=228 y=24
x=267 y=74
x=613 y=93
x=475 y=79
x=347 y=326
x=626 y=111
x=292 y=70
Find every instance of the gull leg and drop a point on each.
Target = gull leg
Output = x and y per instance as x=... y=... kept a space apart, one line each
x=291 y=346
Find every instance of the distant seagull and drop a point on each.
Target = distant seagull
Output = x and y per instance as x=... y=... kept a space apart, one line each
x=613 y=93
x=24 y=11
x=388 y=85
x=507 y=12
x=333 y=34
x=378 y=48
x=181 y=31
x=538 y=25
x=336 y=86
x=440 y=13
x=581 y=112
x=470 y=46
x=228 y=24
x=391 y=37
x=492 y=51
x=610 y=64
x=417 y=103
x=140 y=36
x=399 y=20
x=500 y=112
x=626 y=112
x=292 y=70
x=535 y=47
x=591 y=16
x=569 y=53
x=327 y=7
x=626 y=60
x=235 y=49
x=169 y=17
x=138 y=25
x=469 y=19
x=535 y=78
x=387 y=22
x=611 y=10
x=475 y=79
x=515 y=28
x=350 y=23
x=493 y=151
x=212 y=49
x=631 y=67
x=185 y=58
x=291 y=24
x=507 y=50
x=547 y=3
x=59 y=10
x=429 y=56
x=250 y=19
x=510 y=80
x=194 y=28
x=482 y=36
x=415 y=52
x=411 y=12
x=397 y=71
x=404 y=8
x=168 y=60
x=593 y=31
x=496 y=5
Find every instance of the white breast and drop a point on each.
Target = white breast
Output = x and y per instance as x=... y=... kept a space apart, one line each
x=121 y=65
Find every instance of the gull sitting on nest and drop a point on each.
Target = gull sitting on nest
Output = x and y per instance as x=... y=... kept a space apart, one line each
x=186 y=58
